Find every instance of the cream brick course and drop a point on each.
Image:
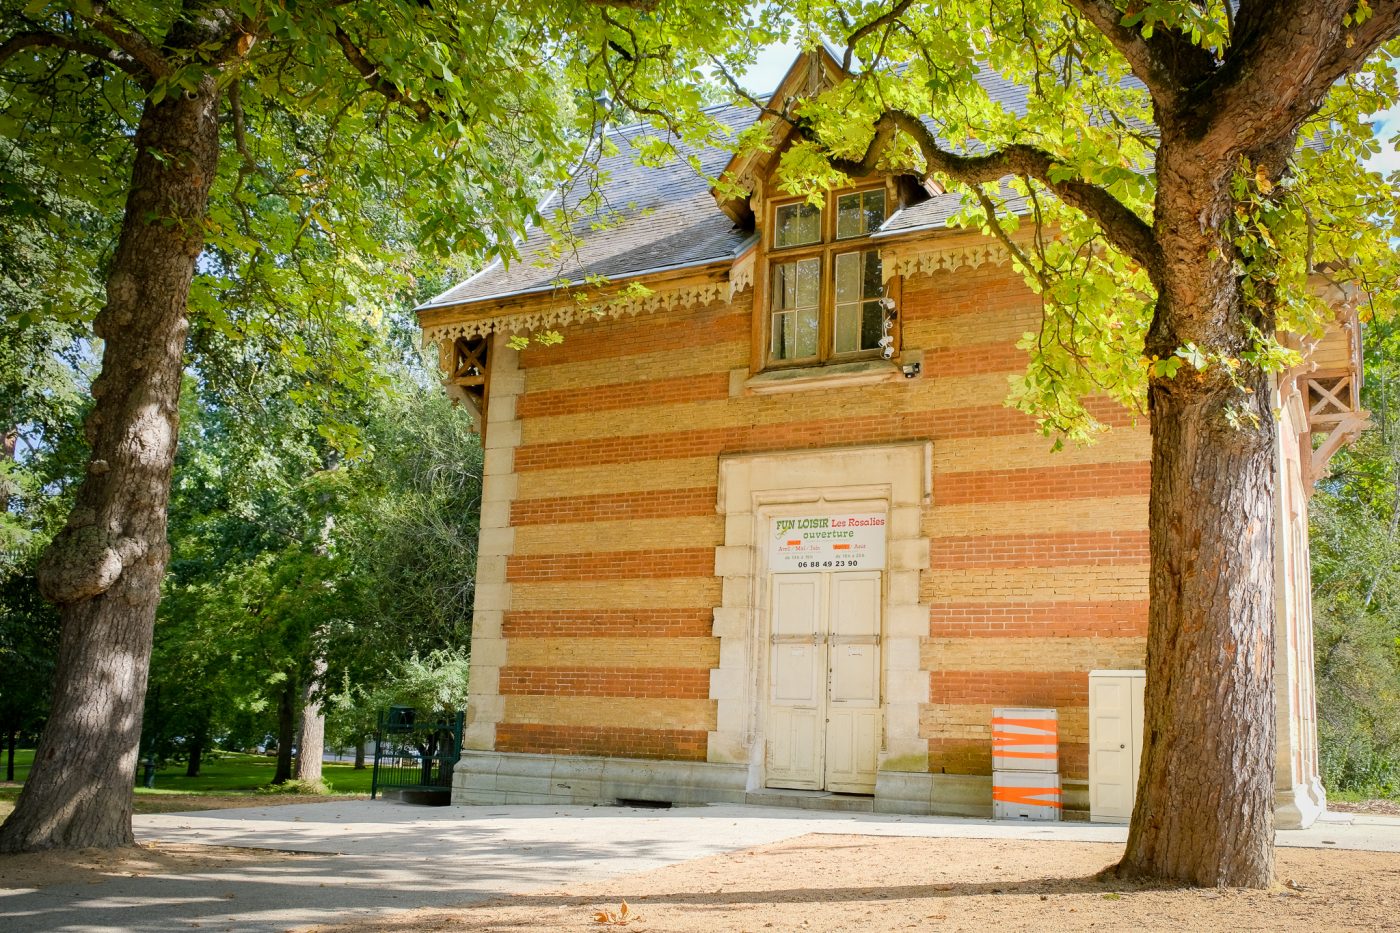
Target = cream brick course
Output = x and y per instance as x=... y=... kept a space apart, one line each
x=689 y=473
x=613 y=653
x=1032 y=654
x=627 y=712
x=1038 y=583
x=621 y=594
x=964 y=330
x=974 y=721
x=662 y=364
x=1111 y=513
x=1031 y=451
x=641 y=534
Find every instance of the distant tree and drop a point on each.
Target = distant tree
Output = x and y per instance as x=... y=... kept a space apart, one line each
x=257 y=129
x=1356 y=588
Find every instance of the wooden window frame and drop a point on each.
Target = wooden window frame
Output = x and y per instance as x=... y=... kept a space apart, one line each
x=826 y=250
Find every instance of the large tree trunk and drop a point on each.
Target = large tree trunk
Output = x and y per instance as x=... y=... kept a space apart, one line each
x=359 y=754
x=311 y=742
x=1204 y=809
x=104 y=569
x=286 y=731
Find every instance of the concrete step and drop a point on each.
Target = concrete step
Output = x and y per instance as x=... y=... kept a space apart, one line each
x=811 y=800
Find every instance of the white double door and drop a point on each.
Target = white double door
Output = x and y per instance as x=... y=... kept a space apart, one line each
x=824 y=681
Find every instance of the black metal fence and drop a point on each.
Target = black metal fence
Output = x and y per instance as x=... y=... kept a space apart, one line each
x=415 y=754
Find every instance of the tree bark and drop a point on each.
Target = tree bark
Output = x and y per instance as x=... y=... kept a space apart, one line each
x=359 y=754
x=196 y=754
x=1205 y=800
x=311 y=741
x=104 y=569
x=286 y=731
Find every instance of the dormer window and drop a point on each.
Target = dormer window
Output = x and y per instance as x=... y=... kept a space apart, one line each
x=824 y=288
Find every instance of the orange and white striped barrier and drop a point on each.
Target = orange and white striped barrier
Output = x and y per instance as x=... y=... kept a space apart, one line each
x=1026 y=795
x=1025 y=740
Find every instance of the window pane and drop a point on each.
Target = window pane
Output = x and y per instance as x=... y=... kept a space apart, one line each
x=871 y=325
x=848 y=277
x=859 y=318
x=874 y=205
x=848 y=216
x=860 y=213
x=797 y=225
x=796 y=290
x=871 y=284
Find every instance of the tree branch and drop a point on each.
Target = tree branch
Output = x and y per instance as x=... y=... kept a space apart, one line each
x=130 y=41
x=1167 y=63
x=1123 y=228
x=1285 y=58
x=377 y=82
x=865 y=30
x=40 y=39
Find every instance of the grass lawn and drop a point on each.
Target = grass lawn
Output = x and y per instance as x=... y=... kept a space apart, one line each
x=225 y=775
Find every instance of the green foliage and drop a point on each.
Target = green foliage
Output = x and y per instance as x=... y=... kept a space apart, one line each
x=1355 y=518
x=1326 y=219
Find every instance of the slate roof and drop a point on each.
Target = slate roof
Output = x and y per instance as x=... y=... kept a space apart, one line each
x=668 y=219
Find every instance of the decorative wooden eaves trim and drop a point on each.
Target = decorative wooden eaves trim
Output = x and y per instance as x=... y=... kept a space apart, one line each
x=563 y=313
x=741 y=273
x=906 y=261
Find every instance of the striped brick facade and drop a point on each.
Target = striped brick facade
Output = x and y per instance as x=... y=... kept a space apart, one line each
x=597 y=635
x=621 y=633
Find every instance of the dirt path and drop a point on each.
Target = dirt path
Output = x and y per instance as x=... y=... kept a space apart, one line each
x=181 y=803
x=864 y=884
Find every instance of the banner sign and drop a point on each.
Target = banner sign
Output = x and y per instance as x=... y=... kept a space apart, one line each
x=827 y=542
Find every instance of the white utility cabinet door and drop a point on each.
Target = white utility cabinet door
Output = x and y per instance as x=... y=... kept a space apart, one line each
x=1115 y=743
x=824 y=676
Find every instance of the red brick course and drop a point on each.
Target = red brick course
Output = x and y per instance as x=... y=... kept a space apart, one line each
x=1080 y=481
x=614 y=506
x=1062 y=549
x=676 y=683
x=604 y=741
x=1049 y=619
x=1010 y=688
x=975 y=359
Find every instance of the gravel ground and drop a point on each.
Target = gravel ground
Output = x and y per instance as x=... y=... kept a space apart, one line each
x=821 y=882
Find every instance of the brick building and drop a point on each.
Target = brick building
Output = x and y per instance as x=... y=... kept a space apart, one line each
x=770 y=525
